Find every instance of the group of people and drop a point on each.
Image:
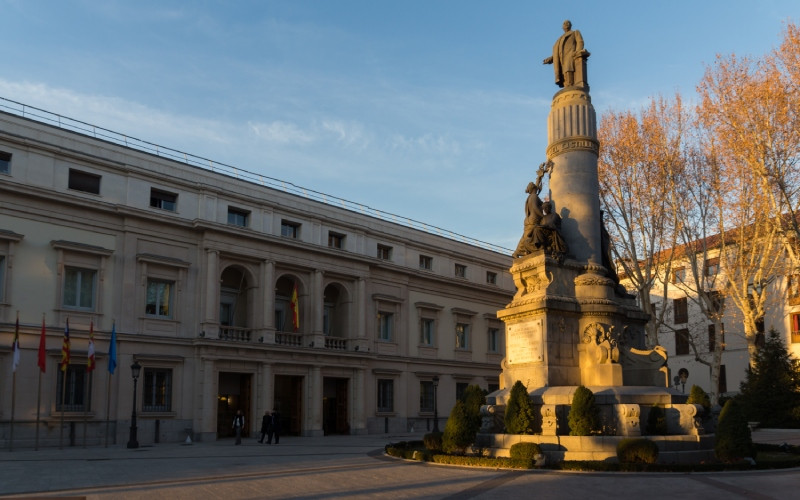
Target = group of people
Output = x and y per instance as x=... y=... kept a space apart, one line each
x=270 y=426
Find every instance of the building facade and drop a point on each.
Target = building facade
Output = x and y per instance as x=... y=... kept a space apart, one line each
x=230 y=294
x=690 y=337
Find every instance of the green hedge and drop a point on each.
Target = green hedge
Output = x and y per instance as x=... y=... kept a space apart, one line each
x=637 y=451
x=433 y=441
x=527 y=451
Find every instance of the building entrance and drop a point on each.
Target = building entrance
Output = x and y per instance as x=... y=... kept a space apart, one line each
x=234 y=394
x=334 y=406
x=289 y=403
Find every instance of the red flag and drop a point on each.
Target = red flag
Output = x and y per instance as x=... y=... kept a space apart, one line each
x=90 y=361
x=65 y=349
x=295 y=305
x=42 y=349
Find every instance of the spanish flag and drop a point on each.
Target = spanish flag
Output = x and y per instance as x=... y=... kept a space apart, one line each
x=295 y=305
x=65 y=349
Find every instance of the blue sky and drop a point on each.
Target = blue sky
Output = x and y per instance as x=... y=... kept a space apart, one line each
x=433 y=110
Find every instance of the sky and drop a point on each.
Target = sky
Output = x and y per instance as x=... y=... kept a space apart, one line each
x=434 y=110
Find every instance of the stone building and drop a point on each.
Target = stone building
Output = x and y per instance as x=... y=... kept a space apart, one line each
x=199 y=268
x=686 y=328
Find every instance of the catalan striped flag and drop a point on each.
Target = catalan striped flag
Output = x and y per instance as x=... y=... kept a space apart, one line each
x=65 y=349
x=90 y=363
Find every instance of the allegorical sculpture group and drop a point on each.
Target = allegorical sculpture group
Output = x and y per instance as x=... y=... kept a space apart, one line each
x=542 y=224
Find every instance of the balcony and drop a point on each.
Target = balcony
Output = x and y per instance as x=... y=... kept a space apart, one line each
x=289 y=339
x=235 y=334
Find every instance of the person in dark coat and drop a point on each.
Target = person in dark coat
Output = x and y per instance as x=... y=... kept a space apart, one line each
x=266 y=420
x=274 y=428
x=238 y=426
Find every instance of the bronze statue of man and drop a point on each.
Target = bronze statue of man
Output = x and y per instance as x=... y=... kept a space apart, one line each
x=568 y=47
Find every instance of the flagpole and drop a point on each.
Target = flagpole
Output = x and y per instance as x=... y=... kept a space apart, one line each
x=112 y=365
x=86 y=400
x=13 y=404
x=108 y=406
x=41 y=362
x=15 y=356
x=64 y=368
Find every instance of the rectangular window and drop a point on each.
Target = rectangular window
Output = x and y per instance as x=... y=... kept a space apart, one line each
x=290 y=229
x=461 y=271
x=76 y=397
x=462 y=336
x=238 y=217
x=426 y=396
x=385 y=395
x=491 y=278
x=493 y=336
x=711 y=268
x=680 y=310
x=682 y=342
x=335 y=240
x=426 y=331
x=5 y=162
x=461 y=387
x=385 y=326
x=163 y=200
x=712 y=337
x=793 y=289
x=79 y=286
x=384 y=252
x=722 y=388
x=159 y=298
x=679 y=275
x=795 y=328
x=84 y=181
x=157 y=389
x=425 y=262
x=717 y=300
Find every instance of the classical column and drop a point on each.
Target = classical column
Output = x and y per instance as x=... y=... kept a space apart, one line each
x=266 y=392
x=574 y=187
x=358 y=402
x=314 y=402
x=267 y=302
x=212 y=287
x=208 y=427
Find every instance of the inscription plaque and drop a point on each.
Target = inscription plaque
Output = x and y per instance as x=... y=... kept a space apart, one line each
x=525 y=342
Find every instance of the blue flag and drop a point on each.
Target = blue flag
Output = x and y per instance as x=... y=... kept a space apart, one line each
x=112 y=350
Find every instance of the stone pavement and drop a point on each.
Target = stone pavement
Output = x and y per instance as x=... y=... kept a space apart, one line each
x=340 y=467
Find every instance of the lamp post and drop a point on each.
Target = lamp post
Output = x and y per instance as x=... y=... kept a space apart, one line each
x=136 y=368
x=435 y=403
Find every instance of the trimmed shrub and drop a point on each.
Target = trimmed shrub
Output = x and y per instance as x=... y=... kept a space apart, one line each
x=473 y=397
x=698 y=396
x=637 y=451
x=528 y=451
x=733 y=440
x=458 y=432
x=584 y=415
x=519 y=411
x=433 y=441
x=656 y=421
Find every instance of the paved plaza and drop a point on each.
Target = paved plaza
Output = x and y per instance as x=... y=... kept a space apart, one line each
x=342 y=467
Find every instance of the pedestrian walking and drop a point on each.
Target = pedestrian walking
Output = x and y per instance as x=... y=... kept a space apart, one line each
x=274 y=428
x=238 y=425
x=266 y=421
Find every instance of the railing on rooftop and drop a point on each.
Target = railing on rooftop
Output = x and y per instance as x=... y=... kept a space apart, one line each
x=63 y=122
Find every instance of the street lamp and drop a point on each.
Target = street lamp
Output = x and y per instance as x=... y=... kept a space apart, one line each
x=435 y=404
x=136 y=368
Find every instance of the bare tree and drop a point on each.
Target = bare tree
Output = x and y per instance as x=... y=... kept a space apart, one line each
x=640 y=159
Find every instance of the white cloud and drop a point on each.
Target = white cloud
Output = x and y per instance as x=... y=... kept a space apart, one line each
x=351 y=134
x=281 y=132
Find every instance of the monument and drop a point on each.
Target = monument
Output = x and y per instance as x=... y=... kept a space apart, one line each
x=570 y=323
